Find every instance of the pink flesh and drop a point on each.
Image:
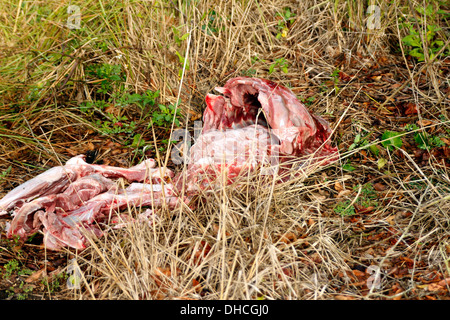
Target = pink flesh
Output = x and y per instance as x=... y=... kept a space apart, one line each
x=57 y=179
x=50 y=182
x=26 y=220
x=256 y=122
x=253 y=123
x=62 y=229
x=299 y=132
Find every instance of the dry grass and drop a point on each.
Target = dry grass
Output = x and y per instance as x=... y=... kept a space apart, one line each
x=257 y=238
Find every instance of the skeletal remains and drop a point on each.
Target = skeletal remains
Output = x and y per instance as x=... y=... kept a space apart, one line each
x=255 y=122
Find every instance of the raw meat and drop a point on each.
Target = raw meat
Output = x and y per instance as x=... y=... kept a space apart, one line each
x=250 y=100
x=254 y=123
x=57 y=179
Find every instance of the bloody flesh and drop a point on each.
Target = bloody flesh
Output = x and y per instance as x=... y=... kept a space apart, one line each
x=254 y=122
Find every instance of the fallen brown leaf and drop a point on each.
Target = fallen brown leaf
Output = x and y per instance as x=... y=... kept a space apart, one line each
x=338 y=186
x=379 y=186
x=197 y=286
x=342 y=297
x=424 y=122
x=391 y=220
x=343 y=193
x=376 y=78
x=344 y=77
x=358 y=273
x=411 y=108
x=36 y=275
x=90 y=146
x=363 y=210
x=397 y=294
x=113 y=110
x=162 y=272
x=288 y=237
x=445 y=140
x=216 y=229
x=434 y=287
x=444 y=282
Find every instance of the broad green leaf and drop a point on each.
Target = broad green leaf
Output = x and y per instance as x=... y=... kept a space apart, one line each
x=412 y=40
x=374 y=149
x=133 y=98
x=138 y=141
x=432 y=55
x=381 y=163
x=418 y=53
x=114 y=77
x=426 y=11
x=391 y=139
x=352 y=146
x=443 y=12
x=184 y=36
x=348 y=167
x=5 y=173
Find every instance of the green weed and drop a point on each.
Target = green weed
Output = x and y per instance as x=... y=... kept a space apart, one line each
x=165 y=116
x=4 y=173
x=308 y=101
x=344 y=208
x=429 y=33
x=108 y=74
x=213 y=22
x=252 y=71
x=287 y=16
x=179 y=39
x=165 y=143
x=116 y=124
x=348 y=167
x=10 y=268
x=363 y=143
x=281 y=64
x=184 y=63
x=248 y=73
x=110 y=86
x=56 y=282
x=367 y=197
x=13 y=267
x=23 y=291
x=423 y=139
x=391 y=139
x=335 y=78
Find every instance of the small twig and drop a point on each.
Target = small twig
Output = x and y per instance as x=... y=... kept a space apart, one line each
x=19 y=6
x=447 y=197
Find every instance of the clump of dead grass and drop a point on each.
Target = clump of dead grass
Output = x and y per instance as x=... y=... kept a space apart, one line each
x=265 y=238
